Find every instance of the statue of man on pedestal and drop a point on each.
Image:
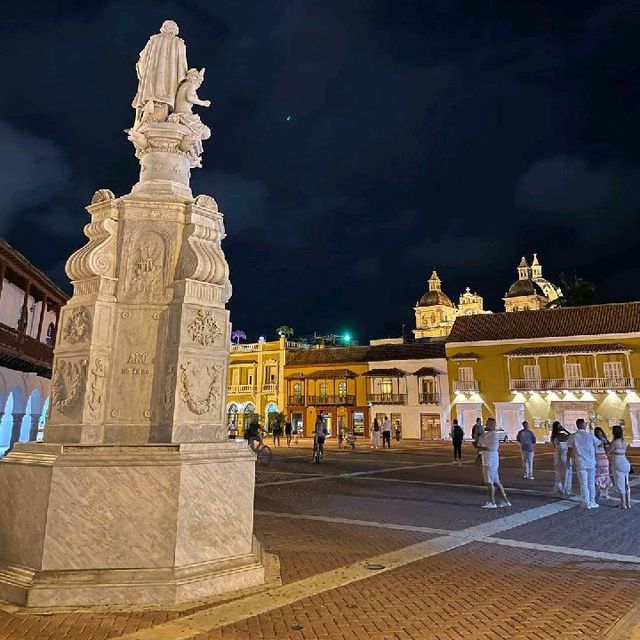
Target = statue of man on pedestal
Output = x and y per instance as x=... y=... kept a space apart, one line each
x=161 y=69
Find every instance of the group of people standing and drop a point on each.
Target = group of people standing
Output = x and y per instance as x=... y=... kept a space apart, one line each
x=589 y=453
x=381 y=433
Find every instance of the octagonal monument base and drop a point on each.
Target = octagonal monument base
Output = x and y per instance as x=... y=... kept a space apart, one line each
x=109 y=525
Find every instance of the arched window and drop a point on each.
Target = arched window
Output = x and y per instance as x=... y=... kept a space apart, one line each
x=297 y=389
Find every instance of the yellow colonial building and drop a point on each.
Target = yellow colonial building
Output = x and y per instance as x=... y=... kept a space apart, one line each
x=552 y=364
x=256 y=379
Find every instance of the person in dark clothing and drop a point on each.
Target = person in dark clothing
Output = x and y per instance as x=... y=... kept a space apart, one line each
x=287 y=432
x=457 y=436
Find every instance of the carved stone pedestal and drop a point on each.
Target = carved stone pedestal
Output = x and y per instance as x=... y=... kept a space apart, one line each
x=137 y=496
x=111 y=525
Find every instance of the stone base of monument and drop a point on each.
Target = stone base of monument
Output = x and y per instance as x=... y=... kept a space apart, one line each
x=107 y=525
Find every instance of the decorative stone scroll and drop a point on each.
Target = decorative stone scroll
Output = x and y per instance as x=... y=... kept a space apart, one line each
x=202 y=378
x=98 y=257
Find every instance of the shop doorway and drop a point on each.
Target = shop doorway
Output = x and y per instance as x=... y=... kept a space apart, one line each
x=430 y=426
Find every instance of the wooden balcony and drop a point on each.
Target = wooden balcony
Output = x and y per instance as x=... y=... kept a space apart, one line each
x=429 y=398
x=560 y=384
x=387 y=398
x=331 y=400
x=296 y=401
x=466 y=386
x=22 y=352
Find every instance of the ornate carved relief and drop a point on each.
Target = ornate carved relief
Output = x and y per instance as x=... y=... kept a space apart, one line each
x=146 y=273
x=96 y=387
x=204 y=329
x=169 y=389
x=68 y=384
x=202 y=381
x=98 y=257
x=78 y=325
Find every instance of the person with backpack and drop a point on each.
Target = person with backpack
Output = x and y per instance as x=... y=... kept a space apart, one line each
x=457 y=436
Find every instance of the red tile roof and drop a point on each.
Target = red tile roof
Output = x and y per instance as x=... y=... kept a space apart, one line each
x=375 y=353
x=557 y=349
x=623 y=317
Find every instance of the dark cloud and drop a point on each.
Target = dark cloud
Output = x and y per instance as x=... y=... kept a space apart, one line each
x=355 y=146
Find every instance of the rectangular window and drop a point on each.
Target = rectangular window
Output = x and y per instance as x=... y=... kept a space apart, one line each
x=613 y=370
x=358 y=423
x=465 y=374
x=572 y=371
x=531 y=372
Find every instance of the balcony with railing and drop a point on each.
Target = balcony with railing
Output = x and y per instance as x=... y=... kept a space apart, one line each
x=466 y=386
x=429 y=398
x=560 y=384
x=272 y=387
x=238 y=348
x=346 y=400
x=240 y=389
x=296 y=401
x=387 y=398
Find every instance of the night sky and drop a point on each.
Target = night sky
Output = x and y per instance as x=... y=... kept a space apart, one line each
x=356 y=144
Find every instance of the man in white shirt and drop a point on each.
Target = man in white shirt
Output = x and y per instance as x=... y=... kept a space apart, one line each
x=488 y=447
x=582 y=446
x=386 y=432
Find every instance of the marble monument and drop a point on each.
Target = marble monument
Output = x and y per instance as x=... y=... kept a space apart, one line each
x=137 y=496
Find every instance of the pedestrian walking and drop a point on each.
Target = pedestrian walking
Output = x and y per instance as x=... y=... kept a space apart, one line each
x=603 y=475
x=527 y=439
x=288 y=431
x=582 y=447
x=375 y=434
x=489 y=447
x=233 y=430
x=457 y=436
x=398 y=429
x=341 y=432
x=476 y=431
x=620 y=466
x=562 y=468
x=386 y=432
x=277 y=432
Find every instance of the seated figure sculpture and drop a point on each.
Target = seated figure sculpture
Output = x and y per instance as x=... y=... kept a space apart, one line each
x=186 y=97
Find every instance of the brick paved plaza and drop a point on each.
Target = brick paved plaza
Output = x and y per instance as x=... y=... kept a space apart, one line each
x=446 y=569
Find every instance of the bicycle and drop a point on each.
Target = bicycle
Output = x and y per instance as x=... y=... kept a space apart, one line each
x=318 y=450
x=262 y=451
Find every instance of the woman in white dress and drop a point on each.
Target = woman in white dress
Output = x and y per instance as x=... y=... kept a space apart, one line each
x=620 y=466
x=563 y=473
x=376 y=434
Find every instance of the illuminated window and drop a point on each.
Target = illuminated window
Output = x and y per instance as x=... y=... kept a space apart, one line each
x=386 y=385
x=342 y=389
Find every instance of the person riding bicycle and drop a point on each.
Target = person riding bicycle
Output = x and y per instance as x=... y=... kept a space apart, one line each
x=319 y=434
x=252 y=435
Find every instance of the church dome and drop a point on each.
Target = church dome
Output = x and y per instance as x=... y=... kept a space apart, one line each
x=432 y=298
x=525 y=287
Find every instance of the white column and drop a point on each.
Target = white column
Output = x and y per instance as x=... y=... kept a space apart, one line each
x=634 y=411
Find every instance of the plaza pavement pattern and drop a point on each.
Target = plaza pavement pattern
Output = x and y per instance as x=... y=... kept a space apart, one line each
x=393 y=545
